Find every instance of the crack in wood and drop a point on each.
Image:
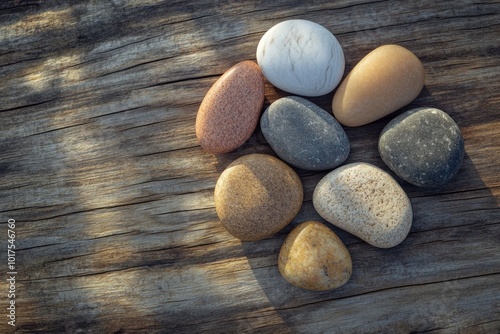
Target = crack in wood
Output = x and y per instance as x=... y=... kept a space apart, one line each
x=167 y=151
x=28 y=105
x=108 y=207
x=185 y=211
x=69 y=258
x=129 y=44
x=133 y=66
x=211 y=76
x=40 y=246
x=56 y=129
x=370 y=292
x=114 y=113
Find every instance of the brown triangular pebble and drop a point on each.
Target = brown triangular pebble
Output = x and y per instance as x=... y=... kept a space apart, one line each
x=314 y=258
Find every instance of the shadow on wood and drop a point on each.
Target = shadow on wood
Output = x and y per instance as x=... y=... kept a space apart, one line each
x=441 y=258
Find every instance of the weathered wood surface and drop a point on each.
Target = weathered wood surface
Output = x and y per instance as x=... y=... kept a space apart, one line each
x=116 y=230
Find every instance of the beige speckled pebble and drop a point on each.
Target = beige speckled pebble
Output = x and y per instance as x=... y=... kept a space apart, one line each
x=256 y=196
x=366 y=201
x=230 y=111
x=313 y=257
x=385 y=80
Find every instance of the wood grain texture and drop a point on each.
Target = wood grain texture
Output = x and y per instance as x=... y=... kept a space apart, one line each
x=116 y=230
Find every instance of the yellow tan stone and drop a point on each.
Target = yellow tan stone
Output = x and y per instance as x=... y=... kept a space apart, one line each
x=386 y=79
x=314 y=258
x=256 y=196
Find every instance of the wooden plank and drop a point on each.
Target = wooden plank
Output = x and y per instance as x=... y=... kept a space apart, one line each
x=116 y=230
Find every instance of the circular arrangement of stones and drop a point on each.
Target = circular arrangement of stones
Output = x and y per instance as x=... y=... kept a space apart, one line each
x=257 y=195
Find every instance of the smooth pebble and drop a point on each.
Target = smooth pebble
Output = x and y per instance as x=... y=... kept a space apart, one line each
x=364 y=200
x=256 y=196
x=301 y=57
x=304 y=135
x=313 y=257
x=230 y=111
x=423 y=146
x=385 y=80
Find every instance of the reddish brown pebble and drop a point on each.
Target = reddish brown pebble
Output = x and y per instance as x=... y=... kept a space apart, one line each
x=230 y=111
x=256 y=196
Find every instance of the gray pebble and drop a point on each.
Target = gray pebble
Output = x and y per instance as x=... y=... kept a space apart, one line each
x=423 y=146
x=304 y=135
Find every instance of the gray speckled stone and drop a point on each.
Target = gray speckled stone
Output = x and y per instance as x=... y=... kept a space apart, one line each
x=304 y=135
x=423 y=146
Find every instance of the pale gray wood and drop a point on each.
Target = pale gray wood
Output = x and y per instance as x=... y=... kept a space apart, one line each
x=113 y=197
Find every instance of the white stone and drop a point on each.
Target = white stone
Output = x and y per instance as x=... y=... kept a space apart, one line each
x=364 y=200
x=301 y=57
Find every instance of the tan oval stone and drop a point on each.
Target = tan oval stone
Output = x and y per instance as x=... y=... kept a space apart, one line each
x=385 y=80
x=230 y=110
x=365 y=201
x=256 y=196
x=313 y=257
